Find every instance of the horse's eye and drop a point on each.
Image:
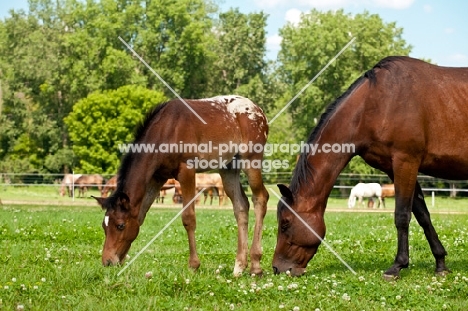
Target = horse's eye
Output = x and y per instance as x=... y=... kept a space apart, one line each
x=284 y=226
x=121 y=227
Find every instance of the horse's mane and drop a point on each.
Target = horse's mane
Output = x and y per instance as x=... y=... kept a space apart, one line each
x=303 y=170
x=139 y=134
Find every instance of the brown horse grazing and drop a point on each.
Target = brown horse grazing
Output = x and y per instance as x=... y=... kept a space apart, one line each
x=211 y=182
x=404 y=116
x=388 y=190
x=67 y=184
x=110 y=186
x=231 y=120
x=162 y=193
x=85 y=181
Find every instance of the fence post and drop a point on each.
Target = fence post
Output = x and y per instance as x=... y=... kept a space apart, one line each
x=73 y=186
x=433 y=198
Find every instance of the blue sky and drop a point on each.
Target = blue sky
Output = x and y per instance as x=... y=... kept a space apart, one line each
x=437 y=30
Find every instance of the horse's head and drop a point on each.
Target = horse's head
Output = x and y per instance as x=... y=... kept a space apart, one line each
x=121 y=228
x=297 y=242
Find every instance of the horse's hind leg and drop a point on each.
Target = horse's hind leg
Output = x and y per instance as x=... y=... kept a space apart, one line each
x=233 y=189
x=186 y=178
x=423 y=217
x=260 y=200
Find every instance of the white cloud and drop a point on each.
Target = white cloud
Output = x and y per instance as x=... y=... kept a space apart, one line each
x=459 y=58
x=274 y=40
x=449 y=30
x=333 y=4
x=427 y=8
x=394 y=4
x=273 y=46
x=293 y=16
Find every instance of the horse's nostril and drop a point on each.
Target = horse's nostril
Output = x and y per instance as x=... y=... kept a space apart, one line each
x=275 y=270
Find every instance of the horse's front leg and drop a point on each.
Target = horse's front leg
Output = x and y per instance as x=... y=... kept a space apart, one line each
x=233 y=189
x=361 y=202
x=405 y=182
x=186 y=178
x=381 y=202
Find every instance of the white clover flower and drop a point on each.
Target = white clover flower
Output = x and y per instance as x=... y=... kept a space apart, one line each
x=187 y=281
x=346 y=297
x=296 y=308
x=280 y=287
x=231 y=306
x=398 y=297
x=13 y=280
x=211 y=294
x=43 y=279
x=217 y=271
x=281 y=306
x=361 y=279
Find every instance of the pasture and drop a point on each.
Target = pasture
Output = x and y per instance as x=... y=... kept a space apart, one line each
x=51 y=260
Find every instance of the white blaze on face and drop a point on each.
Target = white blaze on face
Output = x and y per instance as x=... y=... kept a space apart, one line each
x=106 y=221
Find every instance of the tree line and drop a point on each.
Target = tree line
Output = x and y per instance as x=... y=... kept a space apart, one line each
x=70 y=91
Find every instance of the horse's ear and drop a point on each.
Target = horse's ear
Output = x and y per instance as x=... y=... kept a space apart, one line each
x=124 y=200
x=285 y=192
x=100 y=201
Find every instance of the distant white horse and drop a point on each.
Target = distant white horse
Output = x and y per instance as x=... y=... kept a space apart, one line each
x=363 y=190
x=67 y=184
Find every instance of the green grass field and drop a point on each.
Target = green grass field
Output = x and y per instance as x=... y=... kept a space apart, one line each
x=50 y=260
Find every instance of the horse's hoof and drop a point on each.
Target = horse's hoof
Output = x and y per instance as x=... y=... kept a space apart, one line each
x=390 y=277
x=442 y=273
x=257 y=274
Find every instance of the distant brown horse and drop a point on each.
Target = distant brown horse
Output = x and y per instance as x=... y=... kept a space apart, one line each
x=85 y=181
x=210 y=182
x=67 y=184
x=230 y=120
x=388 y=190
x=402 y=117
x=170 y=183
x=110 y=186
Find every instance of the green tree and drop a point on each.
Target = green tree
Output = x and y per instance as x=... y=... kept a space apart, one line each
x=103 y=120
x=240 y=66
x=307 y=47
x=59 y=51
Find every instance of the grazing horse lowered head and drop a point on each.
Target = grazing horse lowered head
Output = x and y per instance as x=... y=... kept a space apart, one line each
x=403 y=117
x=230 y=121
x=110 y=186
x=362 y=190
